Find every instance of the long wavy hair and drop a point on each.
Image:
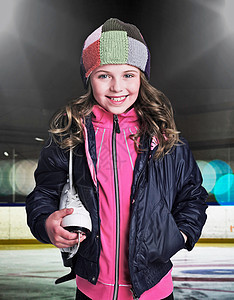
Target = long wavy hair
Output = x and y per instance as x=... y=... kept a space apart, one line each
x=154 y=112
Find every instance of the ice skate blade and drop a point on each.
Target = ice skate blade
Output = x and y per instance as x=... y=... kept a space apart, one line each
x=77 y=220
x=82 y=230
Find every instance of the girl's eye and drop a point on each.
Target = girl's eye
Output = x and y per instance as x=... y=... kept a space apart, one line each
x=103 y=76
x=128 y=75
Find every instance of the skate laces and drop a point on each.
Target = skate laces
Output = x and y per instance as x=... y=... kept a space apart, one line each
x=73 y=200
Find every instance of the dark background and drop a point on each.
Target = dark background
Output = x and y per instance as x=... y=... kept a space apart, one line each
x=191 y=44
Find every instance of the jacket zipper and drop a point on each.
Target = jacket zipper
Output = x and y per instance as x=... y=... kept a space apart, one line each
x=116 y=129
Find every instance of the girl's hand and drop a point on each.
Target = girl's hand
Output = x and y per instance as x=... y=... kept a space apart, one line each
x=59 y=236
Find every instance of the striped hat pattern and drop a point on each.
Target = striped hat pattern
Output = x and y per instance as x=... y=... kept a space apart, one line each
x=115 y=42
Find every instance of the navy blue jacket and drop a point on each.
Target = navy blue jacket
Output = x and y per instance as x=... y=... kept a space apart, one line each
x=166 y=198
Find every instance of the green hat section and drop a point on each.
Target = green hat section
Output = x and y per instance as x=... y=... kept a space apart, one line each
x=114 y=47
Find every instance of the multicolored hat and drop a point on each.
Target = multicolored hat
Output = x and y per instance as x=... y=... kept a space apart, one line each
x=115 y=42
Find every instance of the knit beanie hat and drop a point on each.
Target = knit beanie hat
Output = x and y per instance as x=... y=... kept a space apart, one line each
x=114 y=42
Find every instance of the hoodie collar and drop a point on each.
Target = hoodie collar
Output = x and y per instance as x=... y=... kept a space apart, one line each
x=103 y=118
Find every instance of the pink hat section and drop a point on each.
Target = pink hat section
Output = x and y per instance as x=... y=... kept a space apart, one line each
x=93 y=37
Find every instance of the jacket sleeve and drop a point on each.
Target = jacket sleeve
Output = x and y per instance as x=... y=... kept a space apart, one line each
x=50 y=177
x=190 y=202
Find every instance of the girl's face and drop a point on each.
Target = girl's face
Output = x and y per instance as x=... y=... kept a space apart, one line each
x=115 y=87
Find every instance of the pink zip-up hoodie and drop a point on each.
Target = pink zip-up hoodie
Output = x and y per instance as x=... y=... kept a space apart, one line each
x=126 y=157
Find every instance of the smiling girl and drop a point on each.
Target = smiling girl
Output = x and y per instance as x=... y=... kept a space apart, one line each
x=135 y=176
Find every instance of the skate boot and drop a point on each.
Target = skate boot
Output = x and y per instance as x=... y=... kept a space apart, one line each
x=79 y=220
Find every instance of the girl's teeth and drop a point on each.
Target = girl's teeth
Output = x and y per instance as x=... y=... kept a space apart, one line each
x=118 y=99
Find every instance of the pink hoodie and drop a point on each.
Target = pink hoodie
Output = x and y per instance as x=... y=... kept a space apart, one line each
x=126 y=157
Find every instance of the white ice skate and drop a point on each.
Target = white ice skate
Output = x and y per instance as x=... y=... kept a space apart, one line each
x=79 y=221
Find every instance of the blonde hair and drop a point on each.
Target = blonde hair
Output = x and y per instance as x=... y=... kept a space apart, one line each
x=154 y=112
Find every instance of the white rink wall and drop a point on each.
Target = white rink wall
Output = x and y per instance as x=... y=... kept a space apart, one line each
x=219 y=225
x=13 y=224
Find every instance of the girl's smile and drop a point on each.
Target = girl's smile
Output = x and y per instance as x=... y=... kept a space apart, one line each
x=115 y=87
x=118 y=100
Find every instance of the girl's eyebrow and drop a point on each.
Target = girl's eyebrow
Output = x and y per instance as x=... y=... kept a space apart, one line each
x=101 y=71
x=106 y=71
x=131 y=70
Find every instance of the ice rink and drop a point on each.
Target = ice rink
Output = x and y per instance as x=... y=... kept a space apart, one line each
x=29 y=272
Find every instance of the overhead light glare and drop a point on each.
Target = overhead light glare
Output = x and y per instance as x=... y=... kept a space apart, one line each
x=7 y=9
x=6 y=153
x=38 y=139
x=228 y=14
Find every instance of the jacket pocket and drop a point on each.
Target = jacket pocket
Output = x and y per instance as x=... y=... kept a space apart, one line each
x=162 y=238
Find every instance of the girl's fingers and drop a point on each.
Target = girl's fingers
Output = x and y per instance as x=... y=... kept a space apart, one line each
x=59 y=214
x=63 y=243
x=67 y=235
x=82 y=237
x=59 y=236
x=66 y=243
x=65 y=240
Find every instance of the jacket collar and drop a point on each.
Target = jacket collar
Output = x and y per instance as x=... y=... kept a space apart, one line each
x=103 y=118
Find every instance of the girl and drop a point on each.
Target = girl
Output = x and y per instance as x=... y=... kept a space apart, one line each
x=137 y=179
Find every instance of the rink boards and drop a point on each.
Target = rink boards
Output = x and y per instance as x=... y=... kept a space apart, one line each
x=219 y=225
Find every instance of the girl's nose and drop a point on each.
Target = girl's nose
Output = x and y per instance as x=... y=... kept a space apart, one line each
x=116 y=85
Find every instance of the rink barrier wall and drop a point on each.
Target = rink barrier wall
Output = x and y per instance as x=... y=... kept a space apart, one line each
x=219 y=225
